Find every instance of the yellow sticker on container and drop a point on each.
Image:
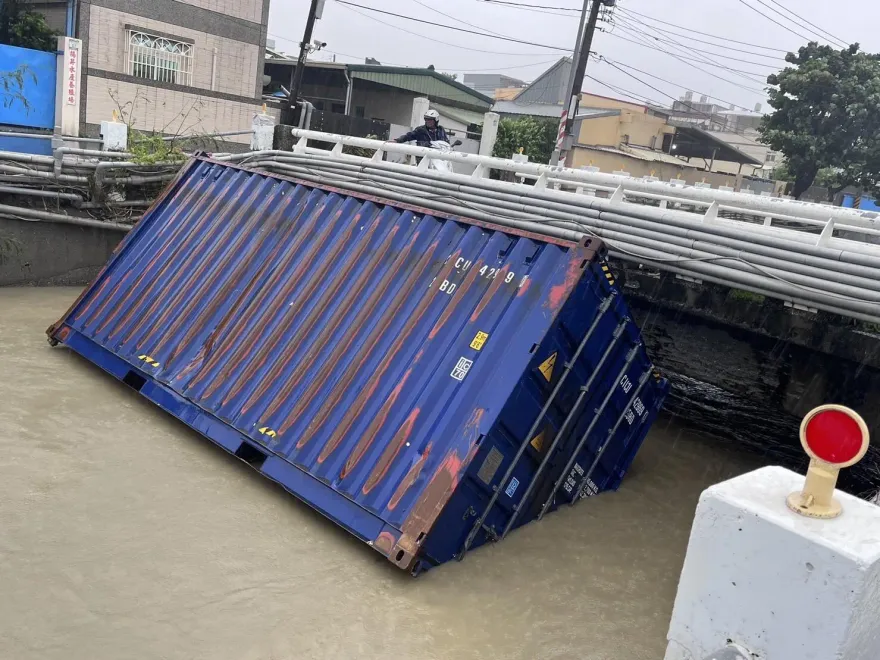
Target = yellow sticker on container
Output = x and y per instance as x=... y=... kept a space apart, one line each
x=268 y=432
x=546 y=367
x=479 y=340
x=538 y=441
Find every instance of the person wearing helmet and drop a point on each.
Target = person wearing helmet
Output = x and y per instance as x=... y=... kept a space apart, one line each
x=432 y=131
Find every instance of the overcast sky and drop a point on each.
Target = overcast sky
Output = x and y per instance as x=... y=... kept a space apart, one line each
x=353 y=36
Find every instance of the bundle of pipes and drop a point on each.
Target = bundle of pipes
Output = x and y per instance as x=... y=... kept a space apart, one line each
x=78 y=178
x=806 y=267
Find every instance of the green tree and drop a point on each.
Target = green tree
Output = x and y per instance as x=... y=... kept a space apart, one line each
x=535 y=137
x=827 y=115
x=24 y=28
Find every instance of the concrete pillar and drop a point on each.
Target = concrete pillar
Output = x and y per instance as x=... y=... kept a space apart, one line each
x=68 y=86
x=263 y=127
x=776 y=583
x=421 y=105
x=490 y=133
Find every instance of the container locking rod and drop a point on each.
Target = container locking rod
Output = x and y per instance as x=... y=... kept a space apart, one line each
x=478 y=524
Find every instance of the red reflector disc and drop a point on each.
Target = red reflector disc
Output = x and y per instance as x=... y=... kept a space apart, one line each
x=834 y=436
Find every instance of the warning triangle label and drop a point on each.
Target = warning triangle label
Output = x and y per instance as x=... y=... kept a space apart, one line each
x=538 y=441
x=547 y=366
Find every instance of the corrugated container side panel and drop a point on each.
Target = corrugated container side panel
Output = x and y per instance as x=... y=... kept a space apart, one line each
x=494 y=370
x=379 y=350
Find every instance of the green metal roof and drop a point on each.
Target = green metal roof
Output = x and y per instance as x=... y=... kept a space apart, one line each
x=422 y=81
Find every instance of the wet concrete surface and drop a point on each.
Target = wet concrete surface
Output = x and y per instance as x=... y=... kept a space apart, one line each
x=124 y=535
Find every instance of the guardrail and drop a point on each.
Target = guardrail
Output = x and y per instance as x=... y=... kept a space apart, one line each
x=831 y=265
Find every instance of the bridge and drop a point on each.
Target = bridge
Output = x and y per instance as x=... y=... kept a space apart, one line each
x=811 y=256
x=758 y=307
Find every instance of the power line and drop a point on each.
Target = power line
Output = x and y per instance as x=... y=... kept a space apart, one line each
x=705 y=34
x=452 y=27
x=633 y=27
x=661 y=92
x=686 y=87
x=686 y=61
x=726 y=47
x=453 y=68
x=773 y=20
x=683 y=58
x=519 y=5
x=837 y=39
x=445 y=43
x=455 y=18
x=625 y=92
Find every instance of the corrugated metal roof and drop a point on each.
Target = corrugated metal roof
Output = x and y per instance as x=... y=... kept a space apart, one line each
x=368 y=357
x=527 y=109
x=423 y=81
x=550 y=86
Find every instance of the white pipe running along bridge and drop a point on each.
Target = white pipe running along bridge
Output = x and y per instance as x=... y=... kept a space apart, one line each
x=812 y=256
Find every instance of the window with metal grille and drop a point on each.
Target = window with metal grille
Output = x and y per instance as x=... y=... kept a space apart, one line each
x=159 y=58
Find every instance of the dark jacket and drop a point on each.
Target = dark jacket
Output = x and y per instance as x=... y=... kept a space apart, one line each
x=425 y=136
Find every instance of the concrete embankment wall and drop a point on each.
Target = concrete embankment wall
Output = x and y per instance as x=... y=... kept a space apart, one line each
x=50 y=254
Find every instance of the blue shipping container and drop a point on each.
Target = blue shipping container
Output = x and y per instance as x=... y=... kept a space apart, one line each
x=428 y=383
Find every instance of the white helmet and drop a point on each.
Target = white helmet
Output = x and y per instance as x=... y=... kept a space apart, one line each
x=433 y=114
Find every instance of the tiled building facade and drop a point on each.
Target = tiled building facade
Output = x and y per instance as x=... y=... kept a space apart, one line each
x=173 y=66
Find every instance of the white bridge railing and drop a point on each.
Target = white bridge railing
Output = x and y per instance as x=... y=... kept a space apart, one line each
x=811 y=256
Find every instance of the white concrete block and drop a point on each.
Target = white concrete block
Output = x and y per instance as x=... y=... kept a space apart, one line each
x=115 y=135
x=263 y=127
x=783 y=586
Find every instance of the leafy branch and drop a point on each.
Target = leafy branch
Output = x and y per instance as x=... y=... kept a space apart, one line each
x=13 y=84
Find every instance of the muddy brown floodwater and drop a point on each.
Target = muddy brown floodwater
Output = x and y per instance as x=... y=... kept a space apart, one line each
x=124 y=535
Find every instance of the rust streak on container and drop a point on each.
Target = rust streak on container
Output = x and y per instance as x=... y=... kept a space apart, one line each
x=189 y=295
x=302 y=298
x=438 y=491
x=497 y=283
x=391 y=451
x=159 y=277
x=367 y=438
x=384 y=542
x=270 y=343
x=559 y=293
x=410 y=478
x=456 y=298
x=240 y=301
x=176 y=228
x=343 y=279
x=369 y=389
x=386 y=320
x=155 y=292
x=173 y=293
x=240 y=322
x=432 y=500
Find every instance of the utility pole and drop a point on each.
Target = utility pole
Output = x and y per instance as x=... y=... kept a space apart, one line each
x=290 y=116
x=576 y=80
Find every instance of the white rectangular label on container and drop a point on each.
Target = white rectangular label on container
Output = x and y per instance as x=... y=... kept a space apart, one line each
x=511 y=487
x=461 y=369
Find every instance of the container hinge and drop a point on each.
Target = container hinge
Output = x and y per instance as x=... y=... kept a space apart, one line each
x=491 y=534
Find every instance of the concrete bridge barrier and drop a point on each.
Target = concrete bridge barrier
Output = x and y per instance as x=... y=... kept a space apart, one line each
x=772 y=574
